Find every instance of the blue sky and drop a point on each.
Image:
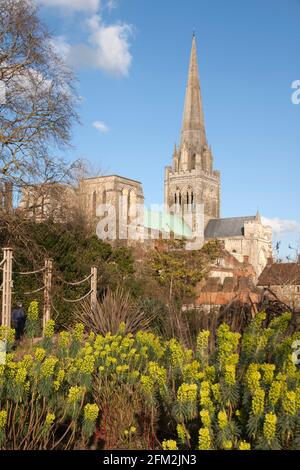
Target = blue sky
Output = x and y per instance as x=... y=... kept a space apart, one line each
x=131 y=59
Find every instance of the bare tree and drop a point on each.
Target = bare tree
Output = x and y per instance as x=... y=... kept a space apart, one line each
x=40 y=100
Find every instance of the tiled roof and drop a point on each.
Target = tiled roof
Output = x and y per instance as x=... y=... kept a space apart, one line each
x=278 y=274
x=229 y=227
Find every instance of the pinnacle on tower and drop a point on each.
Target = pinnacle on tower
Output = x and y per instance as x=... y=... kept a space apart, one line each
x=193 y=128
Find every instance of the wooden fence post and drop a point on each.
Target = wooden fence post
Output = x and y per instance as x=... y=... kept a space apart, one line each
x=47 y=292
x=7 y=287
x=94 y=273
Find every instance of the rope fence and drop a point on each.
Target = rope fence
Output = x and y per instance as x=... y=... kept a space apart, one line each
x=47 y=271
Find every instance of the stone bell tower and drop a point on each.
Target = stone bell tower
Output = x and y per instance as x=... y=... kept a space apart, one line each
x=191 y=180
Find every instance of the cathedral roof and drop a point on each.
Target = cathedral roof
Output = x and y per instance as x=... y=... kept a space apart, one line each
x=229 y=227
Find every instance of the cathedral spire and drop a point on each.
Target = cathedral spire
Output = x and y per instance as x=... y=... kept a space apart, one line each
x=193 y=128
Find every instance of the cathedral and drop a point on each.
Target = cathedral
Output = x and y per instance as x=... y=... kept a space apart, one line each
x=192 y=196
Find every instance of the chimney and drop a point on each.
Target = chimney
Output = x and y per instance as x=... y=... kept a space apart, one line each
x=270 y=261
x=298 y=259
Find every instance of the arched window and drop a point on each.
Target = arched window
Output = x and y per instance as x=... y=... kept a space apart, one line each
x=187 y=198
x=175 y=198
x=94 y=203
x=193 y=161
x=180 y=198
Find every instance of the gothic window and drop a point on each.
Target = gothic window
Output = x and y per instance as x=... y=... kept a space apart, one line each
x=193 y=162
x=175 y=198
x=180 y=198
x=187 y=198
x=192 y=201
x=104 y=197
x=94 y=203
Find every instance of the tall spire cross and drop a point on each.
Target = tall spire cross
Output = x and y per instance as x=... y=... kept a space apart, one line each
x=193 y=127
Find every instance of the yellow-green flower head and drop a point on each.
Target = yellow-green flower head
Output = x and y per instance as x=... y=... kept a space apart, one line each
x=122 y=327
x=132 y=430
x=88 y=349
x=270 y=426
x=289 y=403
x=33 y=311
x=258 y=402
x=50 y=418
x=180 y=432
x=227 y=445
x=191 y=371
x=210 y=373
x=3 y=419
x=114 y=345
x=91 y=337
x=49 y=329
x=232 y=359
x=7 y=334
x=64 y=339
x=216 y=390
x=169 y=445
x=268 y=372
x=204 y=439
x=177 y=353
x=187 y=393
x=78 y=331
x=290 y=368
x=244 y=445
x=205 y=418
x=275 y=392
x=202 y=340
x=87 y=364
x=297 y=397
x=101 y=369
x=61 y=375
x=110 y=361
x=227 y=342
x=159 y=374
x=147 y=384
x=75 y=394
x=281 y=323
x=126 y=432
x=47 y=367
x=253 y=377
x=21 y=375
x=91 y=412
x=26 y=361
x=39 y=354
x=132 y=352
x=230 y=374
x=222 y=419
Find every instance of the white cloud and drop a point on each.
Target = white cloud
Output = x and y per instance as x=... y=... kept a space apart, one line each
x=111 y=4
x=282 y=226
x=61 y=46
x=107 y=48
x=101 y=126
x=77 y=5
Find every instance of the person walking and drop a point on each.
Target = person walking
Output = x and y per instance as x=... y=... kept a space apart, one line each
x=18 y=320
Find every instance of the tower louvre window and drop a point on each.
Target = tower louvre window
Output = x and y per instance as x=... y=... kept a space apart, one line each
x=193 y=162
